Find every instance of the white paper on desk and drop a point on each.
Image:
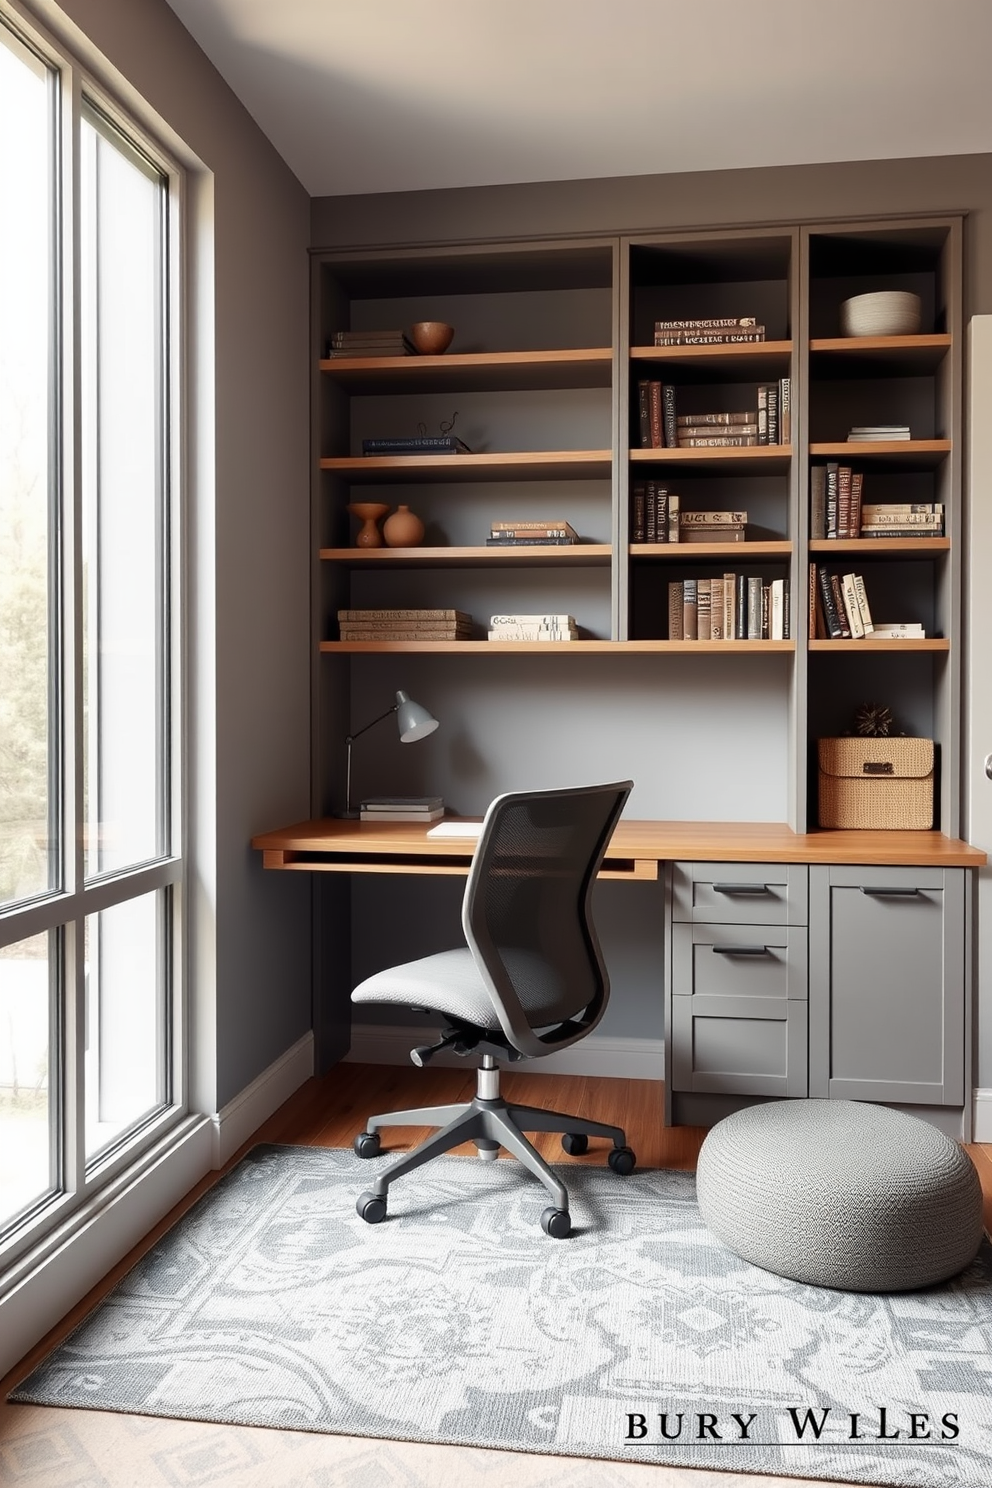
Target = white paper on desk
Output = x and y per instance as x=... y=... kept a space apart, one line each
x=455 y=829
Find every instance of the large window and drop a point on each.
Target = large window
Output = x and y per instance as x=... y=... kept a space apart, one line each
x=90 y=846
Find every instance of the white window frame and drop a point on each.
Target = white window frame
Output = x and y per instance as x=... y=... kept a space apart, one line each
x=83 y=1189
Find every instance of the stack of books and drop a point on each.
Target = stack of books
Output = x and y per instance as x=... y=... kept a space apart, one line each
x=732 y=607
x=875 y=433
x=654 y=513
x=712 y=526
x=902 y=519
x=419 y=444
x=716 y=430
x=405 y=625
x=522 y=534
x=402 y=808
x=533 y=628
x=724 y=330
x=835 y=501
x=910 y=630
x=838 y=606
x=369 y=344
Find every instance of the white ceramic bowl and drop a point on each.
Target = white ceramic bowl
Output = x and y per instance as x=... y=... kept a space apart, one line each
x=887 y=312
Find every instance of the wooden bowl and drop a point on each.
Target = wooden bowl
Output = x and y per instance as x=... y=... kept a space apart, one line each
x=431 y=337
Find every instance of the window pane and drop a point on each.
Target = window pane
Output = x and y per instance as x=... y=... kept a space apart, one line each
x=126 y=1017
x=26 y=1111
x=27 y=472
x=123 y=407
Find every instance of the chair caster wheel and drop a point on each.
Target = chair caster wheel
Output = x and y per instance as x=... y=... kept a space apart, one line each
x=622 y=1160
x=575 y=1143
x=371 y=1208
x=556 y=1223
x=367 y=1144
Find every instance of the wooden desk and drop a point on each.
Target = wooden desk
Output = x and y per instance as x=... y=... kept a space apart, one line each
x=637 y=848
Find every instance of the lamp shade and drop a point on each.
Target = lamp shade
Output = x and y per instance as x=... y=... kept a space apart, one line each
x=413 y=721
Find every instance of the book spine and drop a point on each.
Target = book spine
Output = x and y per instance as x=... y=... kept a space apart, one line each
x=709 y=338
x=406 y=635
x=878 y=518
x=851 y=607
x=729 y=606
x=785 y=409
x=762 y=420
x=834 y=629
x=844 y=501
x=773 y=423
x=787 y=609
x=726 y=322
x=776 y=623
x=717 y=420
x=713 y=534
x=859 y=589
x=811 y=628
x=713 y=519
x=676 y=629
x=547 y=620
x=673 y=517
x=704 y=596
x=403 y=615
x=638 y=529
x=717 y=632
x=890 y=531
x=718 y=441
x=753 y=631
x=832 y=470
x=838 y=594
x=694 y=428
x=652 y=512
x=670 y=417
x=532 y=532
x=925 y=508
x=536 y=526
x=661 y=514
x=690 y=611
x=857 y=481
x=529 y=540
x=818 y=502
x=531 y=633
x=655 y=415
x=740 y=608
x=644 y=414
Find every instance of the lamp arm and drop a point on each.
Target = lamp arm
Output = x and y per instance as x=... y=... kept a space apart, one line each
x=349 y=740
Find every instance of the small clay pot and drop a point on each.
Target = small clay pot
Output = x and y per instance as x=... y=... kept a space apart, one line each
x=368 y=513
x=403 y=529
x=431 y=337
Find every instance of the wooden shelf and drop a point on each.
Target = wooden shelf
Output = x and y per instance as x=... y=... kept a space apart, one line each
x=750 y=360
x=689 y=552
x=882 y=356
x=881 y=546
x=498 y=371
x=526 y=465
x=579 y=555
x=921 y=452
x=541 y=648
x=933 y=643
x=754 y=459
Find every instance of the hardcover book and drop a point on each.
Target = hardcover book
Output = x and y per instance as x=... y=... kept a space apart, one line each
x=676 y=631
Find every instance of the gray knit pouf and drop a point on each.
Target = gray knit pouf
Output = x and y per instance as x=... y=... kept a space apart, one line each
x=840 y=1194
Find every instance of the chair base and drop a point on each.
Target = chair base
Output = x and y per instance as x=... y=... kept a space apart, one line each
x=491 y=1123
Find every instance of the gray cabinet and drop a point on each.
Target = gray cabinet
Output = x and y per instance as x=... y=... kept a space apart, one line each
x=737 y=1005
x=887 y=984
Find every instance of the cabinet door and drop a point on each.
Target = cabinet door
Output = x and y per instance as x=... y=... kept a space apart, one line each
x=887 y=979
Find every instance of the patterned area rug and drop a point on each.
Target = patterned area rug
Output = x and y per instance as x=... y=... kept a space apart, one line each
x=457 y=1320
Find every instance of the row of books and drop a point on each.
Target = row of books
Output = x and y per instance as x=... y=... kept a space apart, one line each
x=718 y=331
x=877 y=433
x=661 y=426
x=733 y=607
x=548 y=627
x=536 y=533
x=838 y=509
x=416 y=444
x=405 y=625
x=839 y=611
x=657 y=517
x=369 y=344
x=402 y=808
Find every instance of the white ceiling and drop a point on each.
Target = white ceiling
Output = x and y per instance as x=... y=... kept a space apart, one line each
x=393 y=95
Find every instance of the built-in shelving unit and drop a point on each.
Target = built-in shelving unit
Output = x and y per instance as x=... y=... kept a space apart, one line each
x=551 y=342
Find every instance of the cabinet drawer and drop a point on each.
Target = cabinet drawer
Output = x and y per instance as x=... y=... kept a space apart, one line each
x=740 y=893
x=758 y=961
x=739 y=1049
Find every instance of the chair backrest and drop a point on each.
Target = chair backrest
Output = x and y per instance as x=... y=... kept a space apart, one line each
x=527 y=914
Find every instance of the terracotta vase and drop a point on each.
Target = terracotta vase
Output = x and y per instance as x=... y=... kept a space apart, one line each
x=368 y=513
x=403 y=529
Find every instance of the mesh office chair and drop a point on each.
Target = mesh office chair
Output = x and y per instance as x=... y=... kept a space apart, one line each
x=530 y=980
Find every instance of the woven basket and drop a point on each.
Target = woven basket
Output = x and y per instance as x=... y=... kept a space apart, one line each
x=876 y=784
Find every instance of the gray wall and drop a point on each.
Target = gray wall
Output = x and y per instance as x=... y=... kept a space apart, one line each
x=248 y=576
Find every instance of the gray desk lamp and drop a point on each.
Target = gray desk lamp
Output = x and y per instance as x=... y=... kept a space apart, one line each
x=413 y=721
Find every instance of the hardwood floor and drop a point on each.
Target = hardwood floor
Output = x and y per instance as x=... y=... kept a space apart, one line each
x=44 y=1447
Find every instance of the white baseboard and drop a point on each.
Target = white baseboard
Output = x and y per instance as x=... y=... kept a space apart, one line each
x=245 y=1113
x=599 y=1054
x=981 y=1116
x=99 y=1236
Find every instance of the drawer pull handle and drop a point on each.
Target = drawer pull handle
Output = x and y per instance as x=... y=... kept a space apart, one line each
x=899 y=893
x=740 y=950
x=740 y=888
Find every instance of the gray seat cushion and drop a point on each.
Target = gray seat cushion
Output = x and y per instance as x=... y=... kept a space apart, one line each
x=841 y=1194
